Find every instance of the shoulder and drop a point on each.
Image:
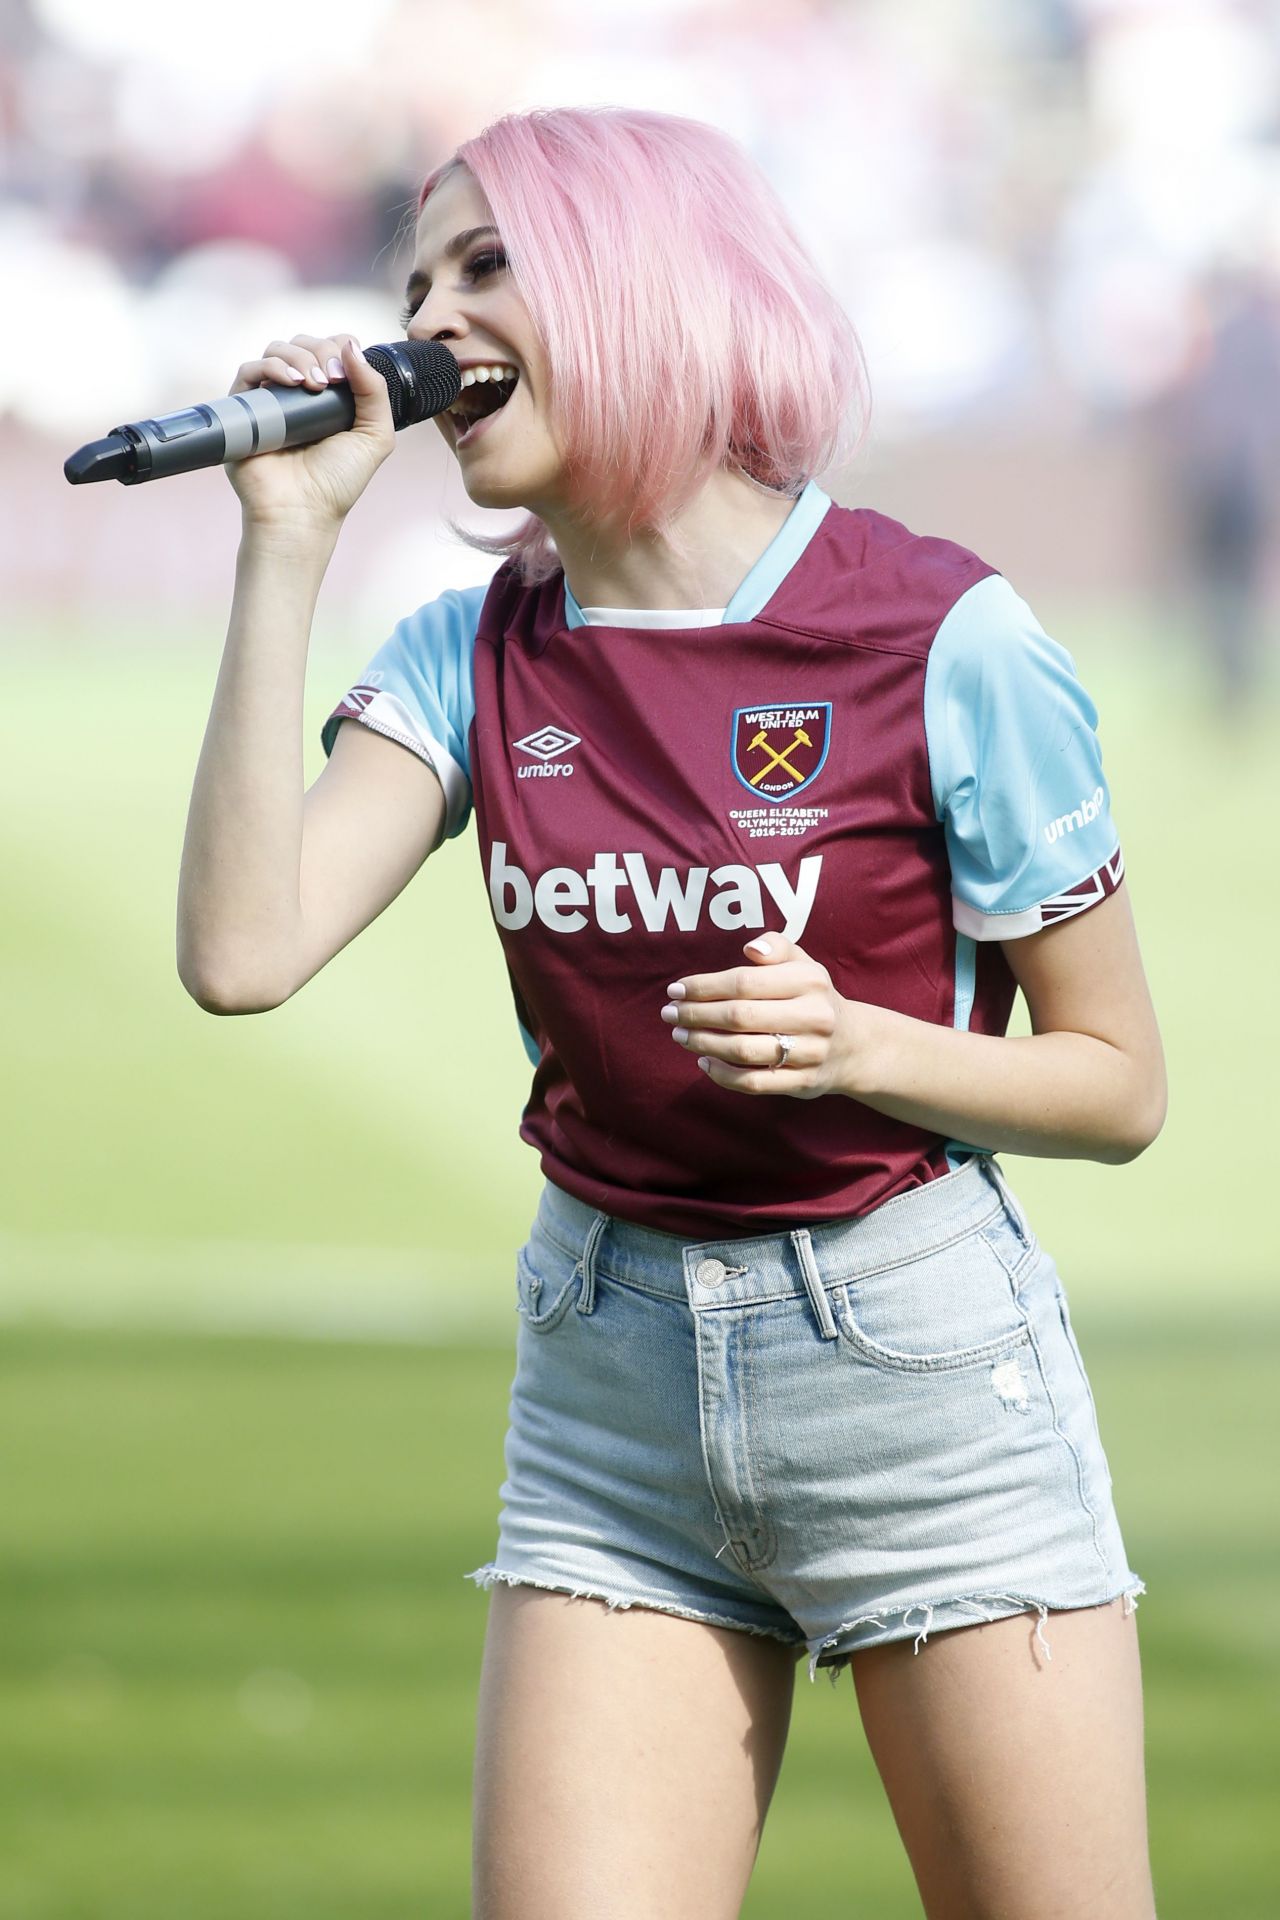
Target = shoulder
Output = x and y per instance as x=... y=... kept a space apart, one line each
x=990 y=645
x=869 y=538
x=419 y=686
x=450 y=621
x=878 y=583
x=1004 y=707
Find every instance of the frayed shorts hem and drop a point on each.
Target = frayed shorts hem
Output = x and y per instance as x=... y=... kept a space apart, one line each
x=940 y=1616
x=488 y=1576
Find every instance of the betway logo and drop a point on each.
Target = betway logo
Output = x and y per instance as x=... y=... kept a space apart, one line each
x=1080 y=816
x=559 y=895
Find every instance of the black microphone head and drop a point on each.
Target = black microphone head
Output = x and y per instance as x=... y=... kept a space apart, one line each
x=422 y=378
x=110 y=459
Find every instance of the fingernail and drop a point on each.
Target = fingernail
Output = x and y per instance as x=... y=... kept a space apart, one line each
x=318 y=373
x=680 y=1035
x=294 y=373
x=759 y=946
x=677 y=991
x=670 y=1013
x=336 y=369
x=704 y=1063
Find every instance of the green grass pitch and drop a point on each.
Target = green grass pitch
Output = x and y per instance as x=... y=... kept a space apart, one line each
x=238 y=1654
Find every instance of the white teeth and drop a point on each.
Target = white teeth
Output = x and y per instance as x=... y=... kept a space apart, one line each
x=495 y=372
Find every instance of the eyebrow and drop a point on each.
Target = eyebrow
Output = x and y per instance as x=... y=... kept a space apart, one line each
x=421 y=282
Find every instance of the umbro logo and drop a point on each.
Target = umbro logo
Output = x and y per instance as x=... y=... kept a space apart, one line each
x=1088 y=810
x=546 y=744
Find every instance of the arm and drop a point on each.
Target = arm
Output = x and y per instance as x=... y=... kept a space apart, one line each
x=238 y=907
x=274 y=881
x=1088 y=1083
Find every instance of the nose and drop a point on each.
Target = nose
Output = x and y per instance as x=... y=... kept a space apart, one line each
x=437 y=320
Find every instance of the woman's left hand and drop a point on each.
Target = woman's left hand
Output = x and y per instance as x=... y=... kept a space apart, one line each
x=732 y=1022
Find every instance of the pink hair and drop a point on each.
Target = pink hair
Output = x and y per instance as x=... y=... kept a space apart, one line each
x=685 y=326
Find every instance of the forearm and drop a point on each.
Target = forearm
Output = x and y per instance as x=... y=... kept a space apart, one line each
x=1058 y=1095
x=238 y=895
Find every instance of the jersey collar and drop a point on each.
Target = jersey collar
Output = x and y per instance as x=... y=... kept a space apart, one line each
x=769 y=571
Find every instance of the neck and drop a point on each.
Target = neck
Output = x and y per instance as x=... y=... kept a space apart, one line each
x=728 y=525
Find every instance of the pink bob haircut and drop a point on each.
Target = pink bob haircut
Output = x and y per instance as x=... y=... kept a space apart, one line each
x=685 y=326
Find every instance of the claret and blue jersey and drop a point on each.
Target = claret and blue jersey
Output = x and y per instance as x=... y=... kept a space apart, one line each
x=874 y=747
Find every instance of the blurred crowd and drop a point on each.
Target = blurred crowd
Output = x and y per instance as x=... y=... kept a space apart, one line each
x=1053 y=213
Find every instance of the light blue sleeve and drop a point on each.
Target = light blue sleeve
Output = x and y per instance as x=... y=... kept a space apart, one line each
x=1016 y=770
x=419 y=689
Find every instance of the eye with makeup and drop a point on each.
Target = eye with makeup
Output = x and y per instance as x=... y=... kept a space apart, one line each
x=479 y=268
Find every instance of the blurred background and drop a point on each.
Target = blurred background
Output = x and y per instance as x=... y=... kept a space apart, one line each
x=256 y=1303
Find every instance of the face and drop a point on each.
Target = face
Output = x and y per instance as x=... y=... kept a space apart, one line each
x=470 y=303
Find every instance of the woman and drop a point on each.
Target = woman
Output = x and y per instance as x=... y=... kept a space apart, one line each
x=777 y=803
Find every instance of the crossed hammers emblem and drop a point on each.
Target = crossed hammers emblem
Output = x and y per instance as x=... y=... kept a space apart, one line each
x=777 y=759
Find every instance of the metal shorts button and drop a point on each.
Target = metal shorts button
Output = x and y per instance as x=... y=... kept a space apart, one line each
x=709 y=1273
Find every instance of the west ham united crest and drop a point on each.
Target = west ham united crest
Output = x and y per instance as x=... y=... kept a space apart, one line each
x=779 y=751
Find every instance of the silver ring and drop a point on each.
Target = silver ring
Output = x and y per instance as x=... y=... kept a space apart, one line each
x=786 y=1041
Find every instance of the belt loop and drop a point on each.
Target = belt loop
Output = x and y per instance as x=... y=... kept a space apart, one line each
x=813 y=1281
x=1006 y=1192
x=587 y=1263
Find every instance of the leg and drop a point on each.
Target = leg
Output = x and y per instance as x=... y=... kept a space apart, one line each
x=1017 y=1783
x=625 y=1760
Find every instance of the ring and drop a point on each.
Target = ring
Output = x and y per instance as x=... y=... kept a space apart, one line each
x=786 y=1041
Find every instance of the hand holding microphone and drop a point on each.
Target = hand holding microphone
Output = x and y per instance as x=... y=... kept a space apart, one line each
x=320 y=479
x=332 y=432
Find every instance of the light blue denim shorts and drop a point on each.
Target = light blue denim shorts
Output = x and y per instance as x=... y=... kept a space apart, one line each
x=863 y=1431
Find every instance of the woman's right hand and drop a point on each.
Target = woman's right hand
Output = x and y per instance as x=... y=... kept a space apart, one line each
x=315 y=485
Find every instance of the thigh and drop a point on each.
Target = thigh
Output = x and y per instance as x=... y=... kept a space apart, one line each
x=625 y=1760
x=1016 y=1780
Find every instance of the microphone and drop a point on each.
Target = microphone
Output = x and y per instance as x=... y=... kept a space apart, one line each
x=422 y=379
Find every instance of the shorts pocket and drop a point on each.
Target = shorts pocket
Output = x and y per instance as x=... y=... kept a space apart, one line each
x=956 y=1306
x=547 y=1283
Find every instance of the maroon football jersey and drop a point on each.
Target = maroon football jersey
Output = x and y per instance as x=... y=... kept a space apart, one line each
x=648 y=799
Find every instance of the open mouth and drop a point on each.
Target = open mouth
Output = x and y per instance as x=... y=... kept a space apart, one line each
x=480 y=402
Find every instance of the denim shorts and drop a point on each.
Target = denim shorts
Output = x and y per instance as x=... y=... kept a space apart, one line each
x=862 y=1431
